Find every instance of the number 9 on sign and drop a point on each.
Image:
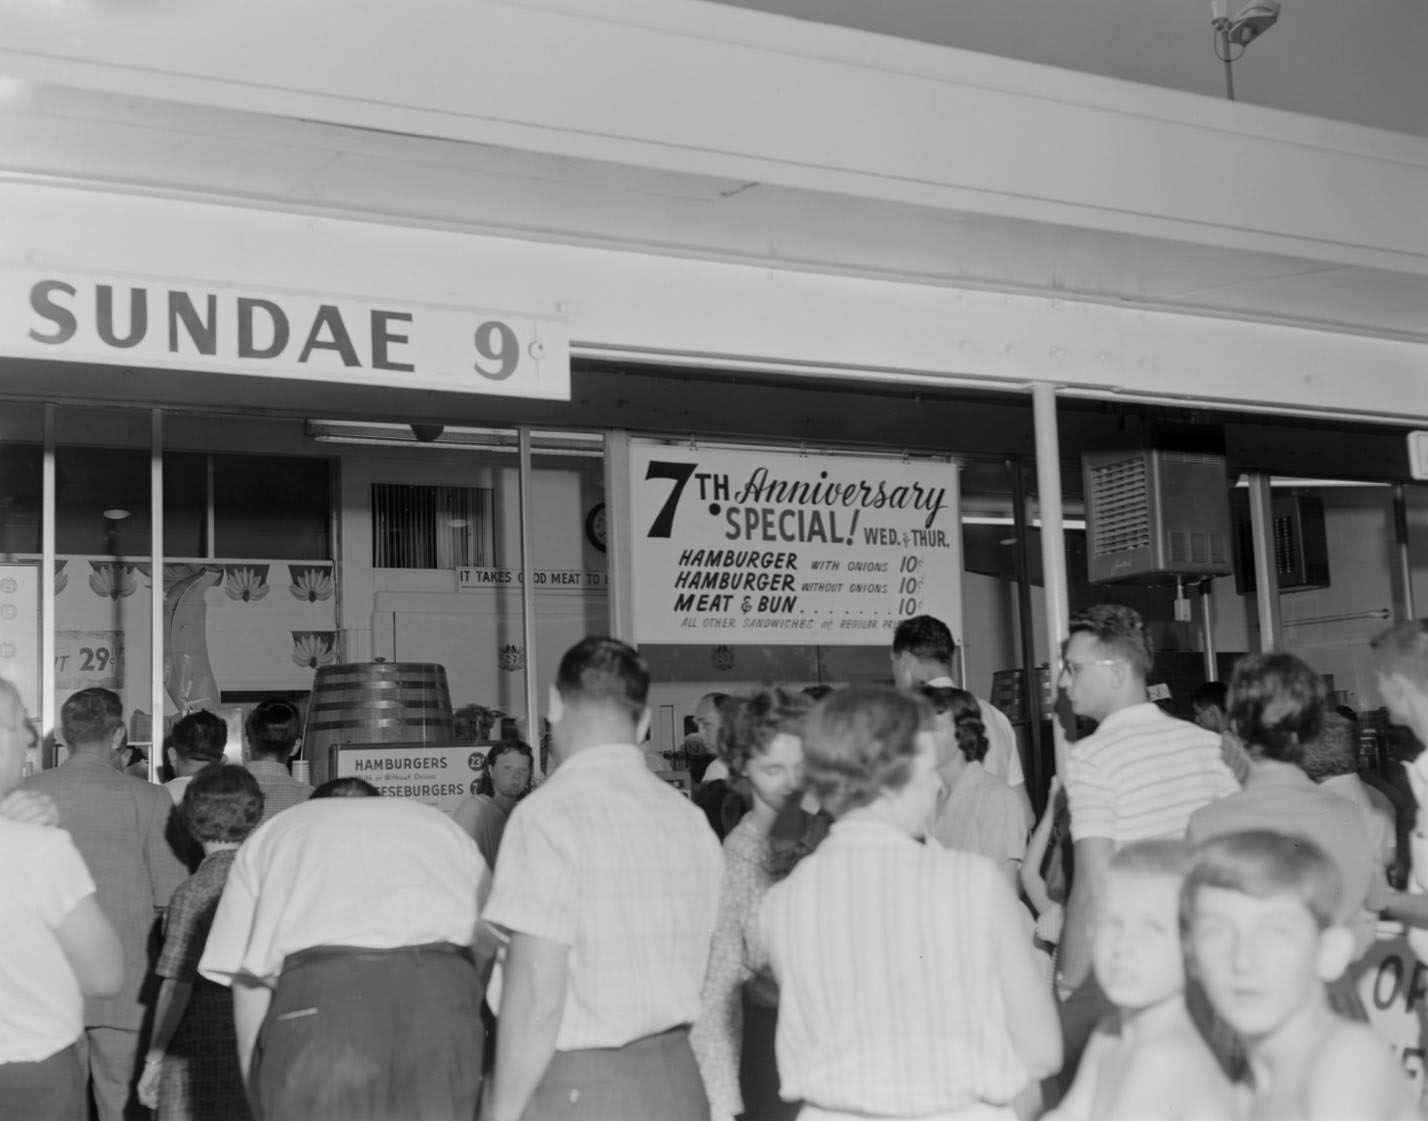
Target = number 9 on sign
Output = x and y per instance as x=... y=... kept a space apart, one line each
x=499 y=349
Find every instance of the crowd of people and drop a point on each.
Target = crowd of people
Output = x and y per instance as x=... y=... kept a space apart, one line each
x=855 y=916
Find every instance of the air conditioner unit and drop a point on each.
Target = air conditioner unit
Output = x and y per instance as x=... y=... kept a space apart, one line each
x=1301 y=543
x=1155 y=513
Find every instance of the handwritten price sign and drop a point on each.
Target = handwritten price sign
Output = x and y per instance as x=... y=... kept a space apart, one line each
x=776 y=548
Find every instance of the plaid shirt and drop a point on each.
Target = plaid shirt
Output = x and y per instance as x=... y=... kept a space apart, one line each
x=280 y=790
x=612 y=862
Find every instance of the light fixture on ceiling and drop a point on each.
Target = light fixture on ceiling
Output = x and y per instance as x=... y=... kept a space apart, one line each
x=454 y=438
x=115 y=514
x=1240 y=30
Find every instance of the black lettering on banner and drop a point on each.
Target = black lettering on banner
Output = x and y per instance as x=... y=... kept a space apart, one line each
x=279 y=321
x=1412 y=1059
x=496 y=342
x=1417 y=985
x=1389 y=967
x=680 y=474
x=203 y=335
x=138 y=316
x=382 y=337
x=330 y=317
x=43 y=304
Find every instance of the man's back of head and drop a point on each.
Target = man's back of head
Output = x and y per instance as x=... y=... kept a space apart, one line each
x=272 y=729
x=600 y=694
x=922 y=649
x=199 y=739
x=92 y=721
x=1107 y=659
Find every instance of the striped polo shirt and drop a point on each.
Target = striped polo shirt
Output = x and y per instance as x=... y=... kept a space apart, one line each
x=890 y=957
x=1141 y=775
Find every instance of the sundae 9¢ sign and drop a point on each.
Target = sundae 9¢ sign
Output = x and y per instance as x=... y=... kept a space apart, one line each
x=189 y=325
x=786 y=549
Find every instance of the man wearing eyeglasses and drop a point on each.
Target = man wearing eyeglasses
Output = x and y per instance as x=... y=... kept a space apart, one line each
x=1139 y=776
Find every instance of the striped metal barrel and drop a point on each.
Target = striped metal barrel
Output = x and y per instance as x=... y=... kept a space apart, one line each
x=375 y=703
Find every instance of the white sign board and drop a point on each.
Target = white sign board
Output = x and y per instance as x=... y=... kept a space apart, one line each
x=1418 y=454
x=187 y=324
x=784 y=549
x=1393 y=985
x=438 y=776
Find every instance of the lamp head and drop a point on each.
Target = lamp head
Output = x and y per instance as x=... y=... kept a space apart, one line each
x=1252 y=21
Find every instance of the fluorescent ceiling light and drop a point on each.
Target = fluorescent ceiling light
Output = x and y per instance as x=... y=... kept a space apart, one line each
x=456 y=438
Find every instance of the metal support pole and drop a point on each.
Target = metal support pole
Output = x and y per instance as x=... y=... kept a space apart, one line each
x=619 y=535
x=1053 y=539
x=1031 y=693
x=47 y=583
x=156 y=591
x=528 y=616
x=1400 y=539
x=1266 y=570
x=1207 y=630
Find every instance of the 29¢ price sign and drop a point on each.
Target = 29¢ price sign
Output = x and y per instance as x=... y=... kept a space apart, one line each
x=84 y=659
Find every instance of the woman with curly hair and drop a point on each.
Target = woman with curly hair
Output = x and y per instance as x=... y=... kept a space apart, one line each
x=940 y=1009
x=191 y=1069
x=760 y=741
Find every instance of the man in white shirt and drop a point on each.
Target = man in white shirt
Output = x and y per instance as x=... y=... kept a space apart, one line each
x=347 y=931
x=608 y=885
x=1139 y=776
x=923 y=652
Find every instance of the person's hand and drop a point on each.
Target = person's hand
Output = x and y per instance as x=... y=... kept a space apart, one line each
x=149 y=1083
x=25 y=807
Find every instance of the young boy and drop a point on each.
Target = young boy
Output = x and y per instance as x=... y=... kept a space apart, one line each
x=1147 y=1061
x=1258 y=912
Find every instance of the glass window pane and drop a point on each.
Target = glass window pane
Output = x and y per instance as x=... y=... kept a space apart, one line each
x=272 y=506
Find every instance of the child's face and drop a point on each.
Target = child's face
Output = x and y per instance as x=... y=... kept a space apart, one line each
x=1137 y=951
x=1260 y=960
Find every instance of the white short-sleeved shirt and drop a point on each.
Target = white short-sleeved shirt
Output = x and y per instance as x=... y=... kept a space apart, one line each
x=614 y=863
x=1141 y=775
x=373 y=872
x=888 y=955
x=42 y=879
x=1003 y=759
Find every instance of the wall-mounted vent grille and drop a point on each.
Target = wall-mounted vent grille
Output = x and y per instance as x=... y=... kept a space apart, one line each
x=1301 y=543
x=431 y=526
x=1118 y=491
x=1152 y=513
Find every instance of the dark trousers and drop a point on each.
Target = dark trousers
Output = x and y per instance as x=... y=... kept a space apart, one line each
x=758 y=1066
x=651 y=1079
x=52 y=1089
x=371 y=1035
x=1080 y=1013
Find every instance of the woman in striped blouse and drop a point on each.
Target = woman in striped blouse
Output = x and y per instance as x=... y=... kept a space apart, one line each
x=908 y=983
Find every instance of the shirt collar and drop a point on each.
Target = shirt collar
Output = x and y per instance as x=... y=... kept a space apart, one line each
x=89 y=759
x=860 y=833
x=1141 y=713
x=266 y=767
x=968 y=771
x=1271 y=772
x=603 y=755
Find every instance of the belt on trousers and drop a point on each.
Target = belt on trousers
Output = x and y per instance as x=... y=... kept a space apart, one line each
x=368 y=953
